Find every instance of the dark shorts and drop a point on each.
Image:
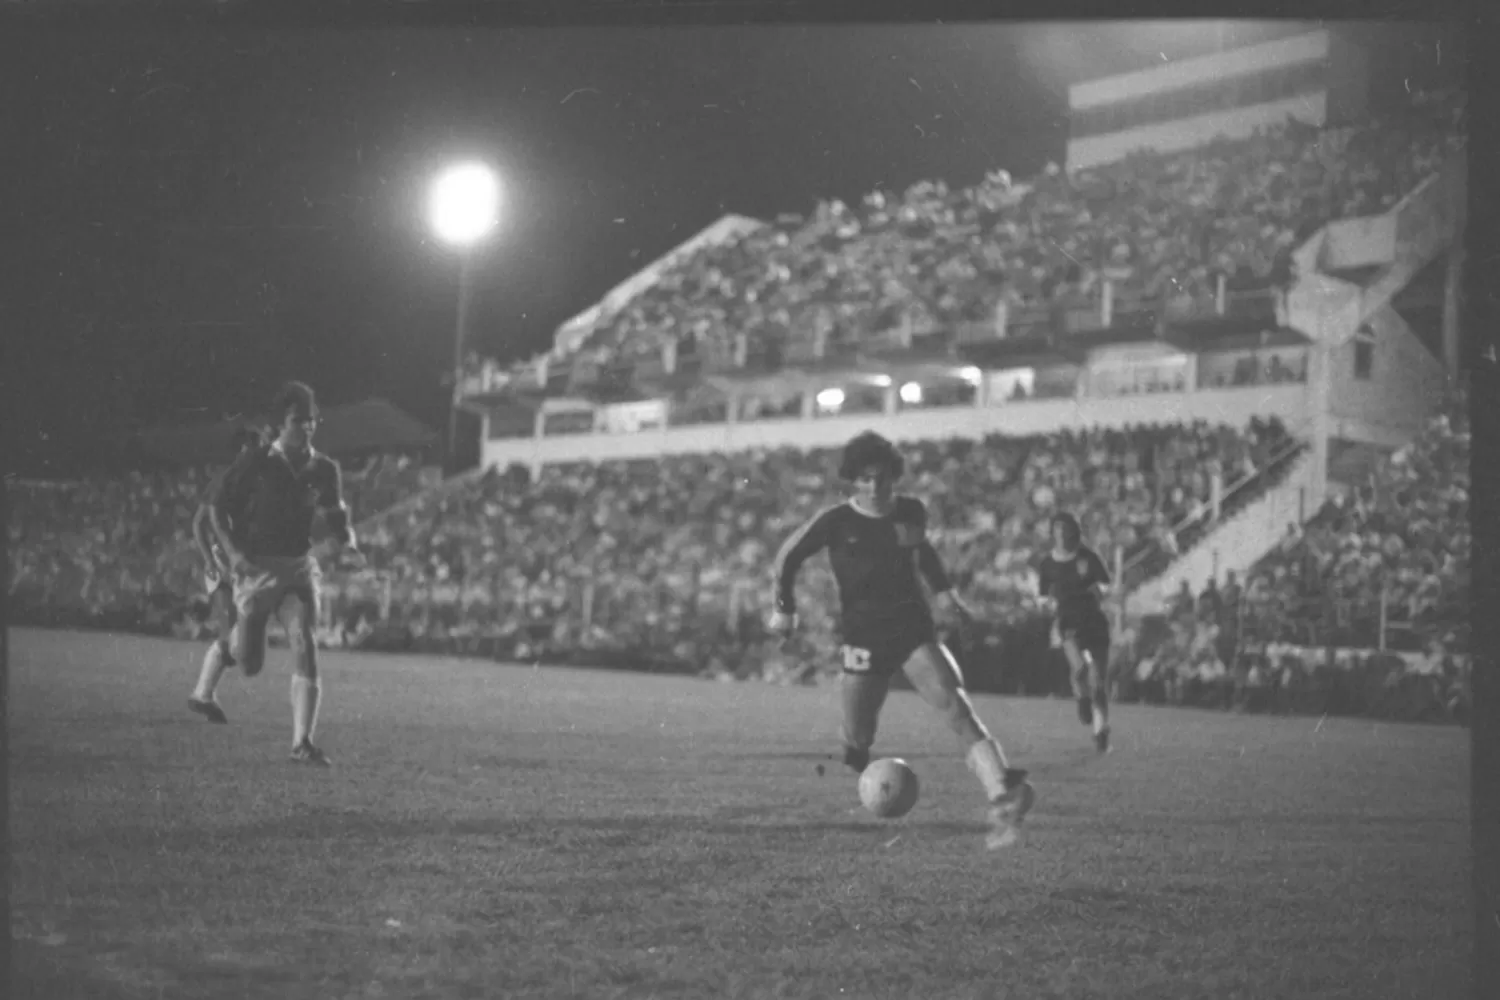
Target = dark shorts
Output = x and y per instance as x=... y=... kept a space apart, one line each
x=1090 y=632
x=1084 y=627
x=883 y=649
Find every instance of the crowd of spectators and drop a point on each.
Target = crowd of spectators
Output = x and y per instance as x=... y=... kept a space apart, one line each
x=1383 y=564
x=658 y=558
x=1380 y=577
x=664 y=564
x=119 y=551
x=1163 y=229
x=666 y=560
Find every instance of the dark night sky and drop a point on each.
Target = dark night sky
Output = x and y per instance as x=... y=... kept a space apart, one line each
x=205 y=212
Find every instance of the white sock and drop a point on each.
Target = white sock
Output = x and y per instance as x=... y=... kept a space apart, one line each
x=1101 y=717
x=304 y=708
x=213 y=670
x=987 y=761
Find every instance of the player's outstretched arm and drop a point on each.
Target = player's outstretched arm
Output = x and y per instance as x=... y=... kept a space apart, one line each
x=802 y=545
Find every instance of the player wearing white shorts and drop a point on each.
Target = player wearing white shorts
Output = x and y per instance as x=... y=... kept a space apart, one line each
x=877 y=545
x=264 y=511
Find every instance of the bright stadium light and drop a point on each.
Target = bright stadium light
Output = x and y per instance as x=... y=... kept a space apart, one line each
x=911 y=393
x=970 y=375
x=463 y=205
x=831 y=399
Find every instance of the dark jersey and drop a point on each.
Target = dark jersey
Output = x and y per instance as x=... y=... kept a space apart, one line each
x=269 y=504
x=876 y=563
x=1071 y=583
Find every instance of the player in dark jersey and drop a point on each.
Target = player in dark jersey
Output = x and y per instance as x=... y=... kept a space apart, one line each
x=1072 y=578
x=263 y=511
x=877 y=544
x=220 y=592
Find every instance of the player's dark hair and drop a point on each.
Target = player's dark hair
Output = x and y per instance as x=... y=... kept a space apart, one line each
x=293 y=396
x=869 y=449
x=1072 y=530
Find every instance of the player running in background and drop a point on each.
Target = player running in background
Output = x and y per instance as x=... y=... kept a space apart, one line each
x=877 y=545
x=263 y=512
x=1072 y=579
x=220 y=591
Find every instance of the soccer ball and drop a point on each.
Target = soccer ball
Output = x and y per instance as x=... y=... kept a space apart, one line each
x=888 y=788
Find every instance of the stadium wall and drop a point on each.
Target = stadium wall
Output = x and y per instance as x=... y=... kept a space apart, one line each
x=1403 y=385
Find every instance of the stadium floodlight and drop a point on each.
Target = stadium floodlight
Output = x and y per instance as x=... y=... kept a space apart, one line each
x=463 y=208
x=911 y=393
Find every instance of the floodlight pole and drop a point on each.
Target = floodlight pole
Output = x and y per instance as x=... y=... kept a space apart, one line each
x=460 y=338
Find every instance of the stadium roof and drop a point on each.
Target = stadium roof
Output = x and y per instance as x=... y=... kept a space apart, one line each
x=357 y=428
x=726 y=229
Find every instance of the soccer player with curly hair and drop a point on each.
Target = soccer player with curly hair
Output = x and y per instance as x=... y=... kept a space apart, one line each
x=878 y=547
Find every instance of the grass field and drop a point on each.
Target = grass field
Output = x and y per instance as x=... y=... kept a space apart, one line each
x=503 y=832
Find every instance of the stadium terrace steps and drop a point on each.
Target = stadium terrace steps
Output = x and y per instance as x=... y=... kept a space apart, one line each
x=1352 y=268
x=1239 y=540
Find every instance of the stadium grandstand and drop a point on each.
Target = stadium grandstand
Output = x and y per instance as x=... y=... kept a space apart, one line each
x=1225 y=332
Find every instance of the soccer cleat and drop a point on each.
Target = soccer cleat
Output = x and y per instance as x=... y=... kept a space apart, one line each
x=1101 y=740
x=1009 y=810
x=856 y=759
x=209 y=709
x=306 y=753
x=1086 y=710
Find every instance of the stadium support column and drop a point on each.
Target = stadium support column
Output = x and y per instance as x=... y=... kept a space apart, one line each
x=732 y=407
x=1452 y=289
x=1319 y=405
x=539 y=435
x=460 y=333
